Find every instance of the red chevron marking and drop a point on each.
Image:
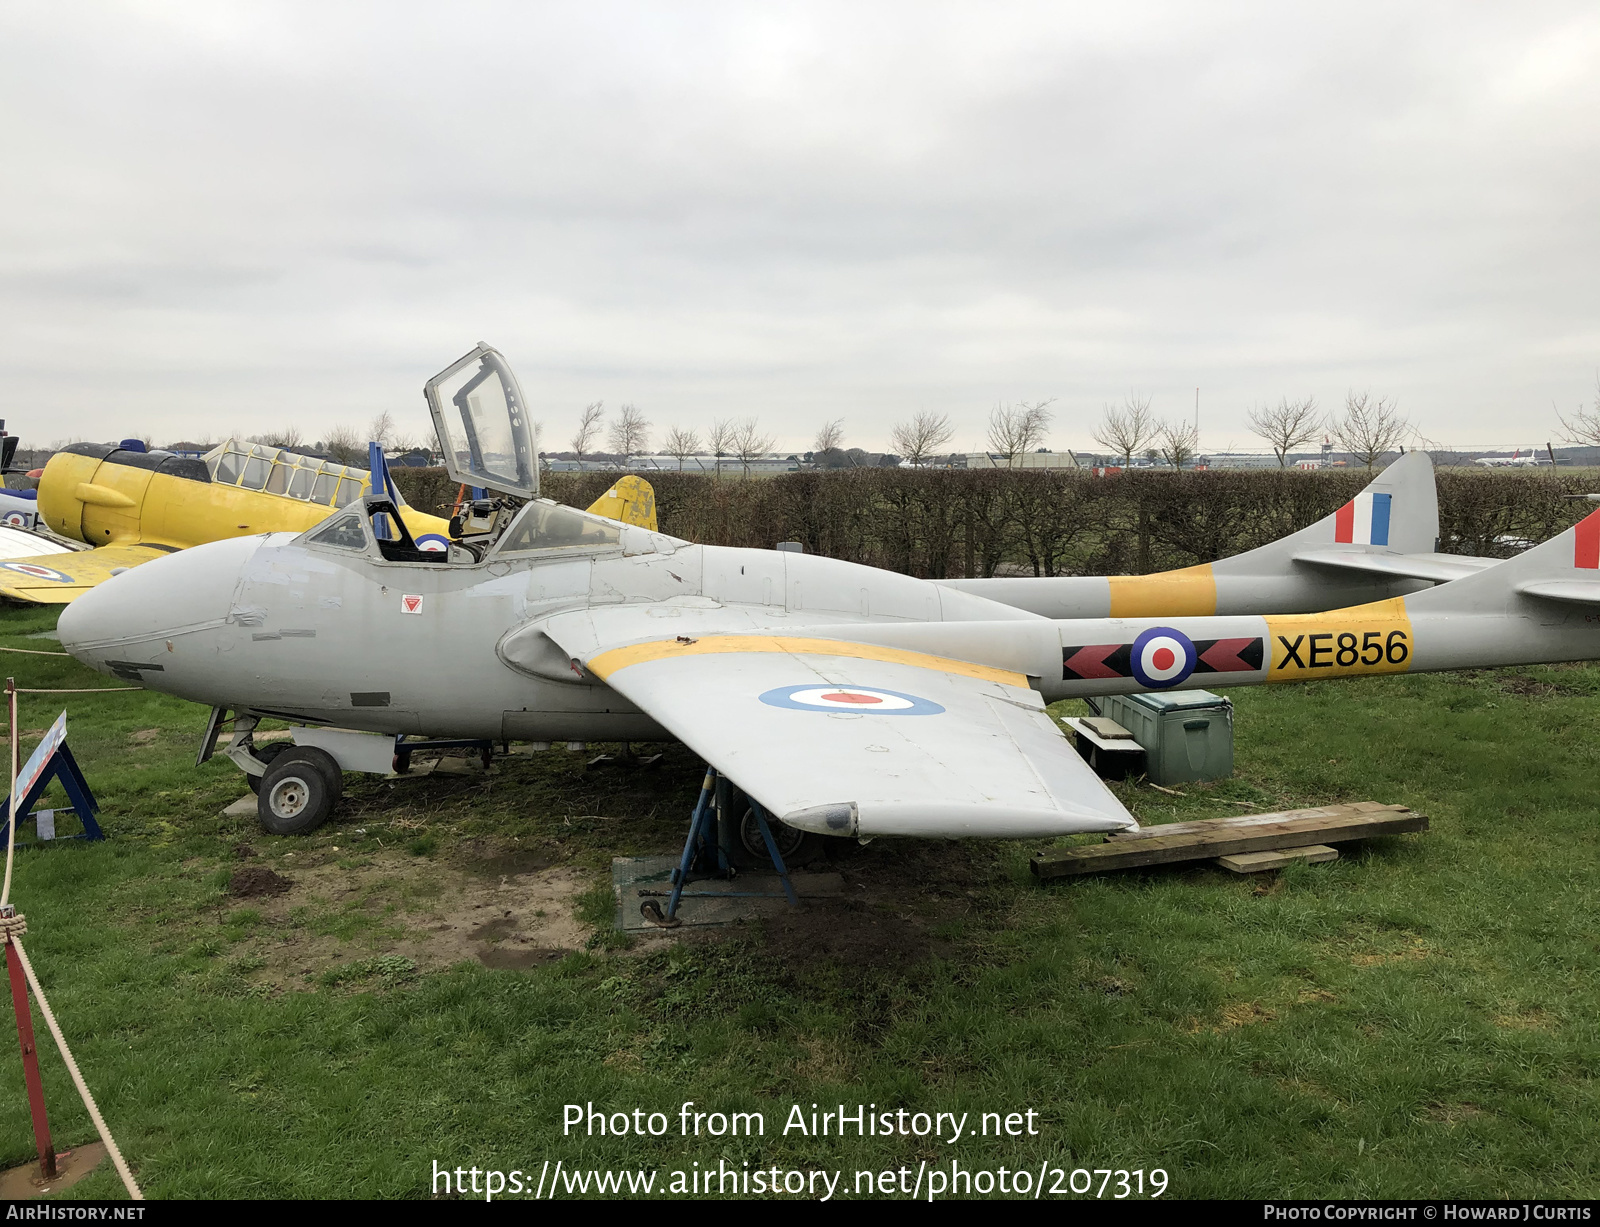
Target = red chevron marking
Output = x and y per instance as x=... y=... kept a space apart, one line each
x=1090 y=662
x=1223 y=655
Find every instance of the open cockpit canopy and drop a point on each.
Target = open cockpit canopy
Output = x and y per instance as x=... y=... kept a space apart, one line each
x=482 y=423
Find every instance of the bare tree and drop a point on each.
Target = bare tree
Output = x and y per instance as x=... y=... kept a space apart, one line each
x=284 y=436
x=749 y=443
x=1370 y=427
x=1017 y=429
x=630 y=433
x=1584 y=426
x=344 y=446
x=588 y=428
x=1124 y=431
x=681 y=443
x=1179 y=441
x=381 y=430
x=1286 y=426
x=830 y=436
x=921 y=437
x=722 y=440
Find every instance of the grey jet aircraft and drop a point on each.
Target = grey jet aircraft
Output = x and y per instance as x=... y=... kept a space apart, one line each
x=845 y=700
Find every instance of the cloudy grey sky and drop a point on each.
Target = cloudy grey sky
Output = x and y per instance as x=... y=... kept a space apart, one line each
x=220 y=216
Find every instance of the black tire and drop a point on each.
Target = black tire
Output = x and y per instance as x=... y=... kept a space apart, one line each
x=797 y=847
x=324 y=762
x=296 y=794
x=267 y=754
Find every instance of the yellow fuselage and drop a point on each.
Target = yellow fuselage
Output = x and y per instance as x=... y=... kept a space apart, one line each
x=104 y=501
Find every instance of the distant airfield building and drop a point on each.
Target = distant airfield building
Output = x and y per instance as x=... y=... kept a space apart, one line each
x=1022 y=460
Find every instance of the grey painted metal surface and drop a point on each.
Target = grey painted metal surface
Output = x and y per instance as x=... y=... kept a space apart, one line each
x=1347 y=558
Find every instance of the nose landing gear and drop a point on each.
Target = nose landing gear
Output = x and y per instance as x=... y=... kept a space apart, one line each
x=299 y=790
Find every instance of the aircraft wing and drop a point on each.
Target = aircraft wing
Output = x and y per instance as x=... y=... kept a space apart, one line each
x=24 y=543
x=55 y=579
x=845 y=737
x=1441 y=568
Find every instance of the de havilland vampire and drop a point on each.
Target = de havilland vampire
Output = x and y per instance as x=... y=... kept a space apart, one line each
x=846 y=700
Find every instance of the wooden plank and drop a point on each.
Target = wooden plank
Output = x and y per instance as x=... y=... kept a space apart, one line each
x=1112 y=745
x=1224 y=837
x=1254 y=820
x=1261 y=862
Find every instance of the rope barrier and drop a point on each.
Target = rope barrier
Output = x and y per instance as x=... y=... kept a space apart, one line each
x=91 y=690
x=33 y=652
x=83 y=1087
x=17 y=925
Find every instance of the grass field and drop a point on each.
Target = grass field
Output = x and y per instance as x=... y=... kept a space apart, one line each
x=1417 y=1019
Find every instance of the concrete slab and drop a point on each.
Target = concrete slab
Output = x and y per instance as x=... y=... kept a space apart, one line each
x=241 y=808
x=711 y=901
x=17 y=1183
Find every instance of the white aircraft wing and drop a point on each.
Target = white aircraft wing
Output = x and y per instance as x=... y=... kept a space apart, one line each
x=850 y=738
x=1441 y=568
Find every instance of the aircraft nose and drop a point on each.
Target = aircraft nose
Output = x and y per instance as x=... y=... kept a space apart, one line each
x=190 y=590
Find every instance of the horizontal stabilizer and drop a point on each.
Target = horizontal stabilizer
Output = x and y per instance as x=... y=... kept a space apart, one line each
x=1576 y=591
x=1440 y=568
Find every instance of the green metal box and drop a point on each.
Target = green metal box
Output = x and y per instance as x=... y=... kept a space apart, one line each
x=1186 y=734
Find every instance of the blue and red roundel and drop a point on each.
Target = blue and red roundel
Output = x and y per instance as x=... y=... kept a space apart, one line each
x=857 y=700
x=34 y=571
x=1162 y=657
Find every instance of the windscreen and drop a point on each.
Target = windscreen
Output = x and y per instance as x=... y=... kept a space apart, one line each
x=483 y=424
x=549 y=526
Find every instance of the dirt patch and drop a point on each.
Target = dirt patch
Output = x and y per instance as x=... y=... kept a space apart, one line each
x=144 y=736
x=257 y=882
x=1532 y=687
x=512 y=862
x=847 y=932
x=520 y=960
x=346 y=910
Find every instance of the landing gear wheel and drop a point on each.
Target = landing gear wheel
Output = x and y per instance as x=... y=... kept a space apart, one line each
x=266 y=754
x=797 y=847
x=325 y=763
x=298 y=791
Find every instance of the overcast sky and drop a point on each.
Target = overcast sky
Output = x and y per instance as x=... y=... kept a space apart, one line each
x=225 y=217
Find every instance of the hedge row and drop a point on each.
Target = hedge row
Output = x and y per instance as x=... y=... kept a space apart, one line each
x=941 y=523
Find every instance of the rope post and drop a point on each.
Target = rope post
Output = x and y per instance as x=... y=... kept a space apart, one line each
x=13 y=924
x=30 y=1054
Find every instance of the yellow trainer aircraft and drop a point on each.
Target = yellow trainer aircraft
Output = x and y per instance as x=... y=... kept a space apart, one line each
x=128 y=507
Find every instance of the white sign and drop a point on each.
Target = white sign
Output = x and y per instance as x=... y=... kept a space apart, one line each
x=34 y=767
x=411 y=604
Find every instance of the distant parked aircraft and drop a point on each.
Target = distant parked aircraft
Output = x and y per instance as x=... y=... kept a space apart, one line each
x=1517 y=460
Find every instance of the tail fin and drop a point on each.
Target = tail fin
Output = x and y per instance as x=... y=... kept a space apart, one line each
x=1398 y=513
x=631 y=499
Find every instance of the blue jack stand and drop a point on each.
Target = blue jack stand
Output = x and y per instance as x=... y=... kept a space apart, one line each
x=702 y=826
x=61 y=765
